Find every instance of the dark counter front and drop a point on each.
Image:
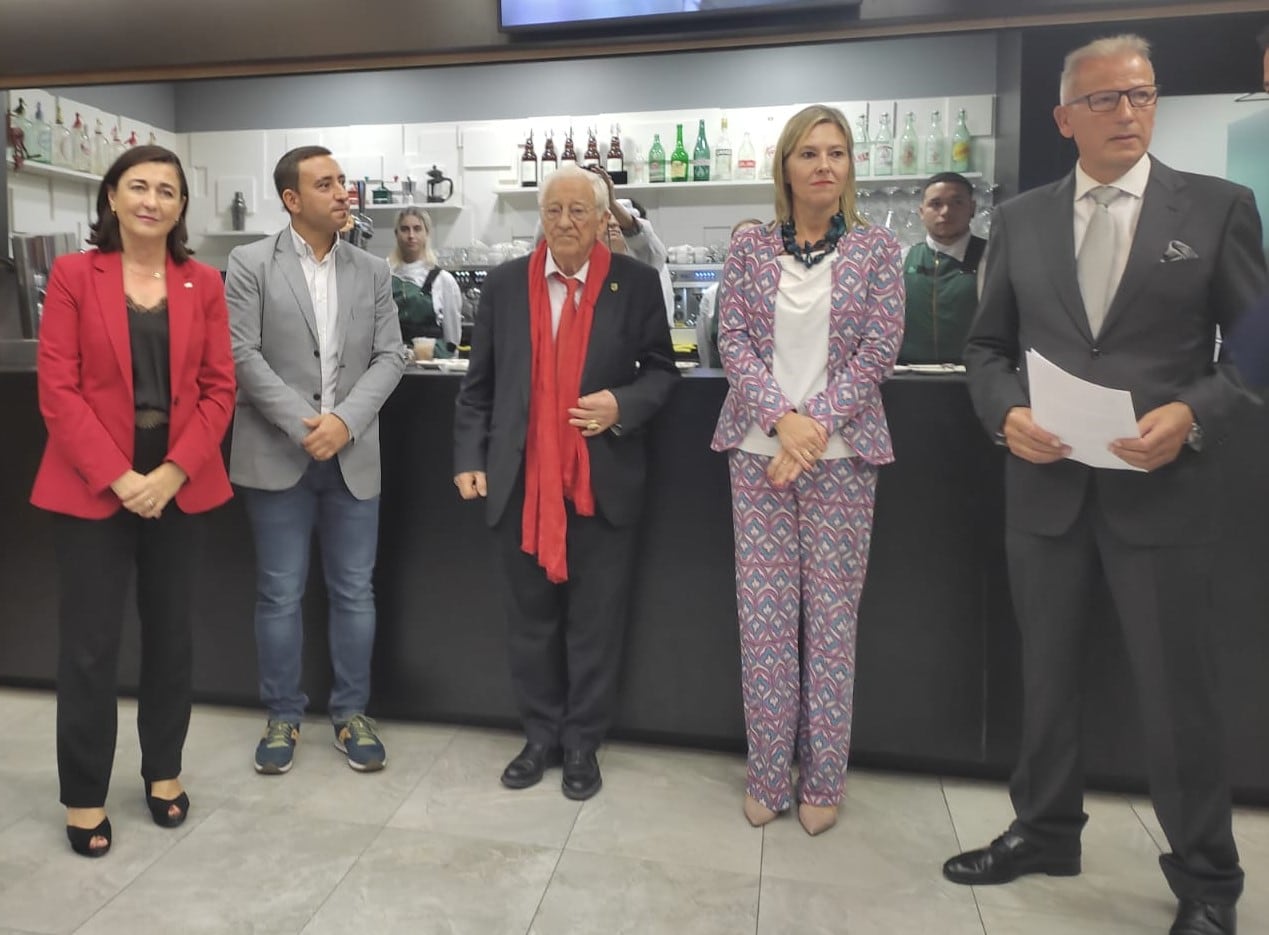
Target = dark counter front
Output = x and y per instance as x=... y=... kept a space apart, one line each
x=937 y=687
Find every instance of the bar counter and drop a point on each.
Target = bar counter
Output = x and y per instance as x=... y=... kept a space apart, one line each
x=938 y=683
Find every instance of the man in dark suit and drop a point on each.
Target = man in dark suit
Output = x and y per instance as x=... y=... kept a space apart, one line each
x=571 y=357
x=1120 y=274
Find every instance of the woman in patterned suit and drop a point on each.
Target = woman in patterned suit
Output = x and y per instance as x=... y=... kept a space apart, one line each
x=810 y=322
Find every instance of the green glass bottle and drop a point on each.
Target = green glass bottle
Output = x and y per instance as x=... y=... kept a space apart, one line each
x=656 y=160
x=679 y=162
x=700 y=156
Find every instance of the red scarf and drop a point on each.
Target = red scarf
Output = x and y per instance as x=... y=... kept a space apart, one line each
x=556 y=459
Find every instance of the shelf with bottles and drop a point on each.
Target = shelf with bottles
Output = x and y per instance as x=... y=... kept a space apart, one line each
x=51 y=171
x=513 y=192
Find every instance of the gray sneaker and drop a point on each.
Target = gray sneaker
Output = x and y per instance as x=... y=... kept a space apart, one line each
x=356 y=739
x=276 y=749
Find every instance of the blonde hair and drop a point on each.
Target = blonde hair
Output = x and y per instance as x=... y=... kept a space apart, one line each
x=571 y=170
x=428 y=255
x=799 y=125
x=1106 y=47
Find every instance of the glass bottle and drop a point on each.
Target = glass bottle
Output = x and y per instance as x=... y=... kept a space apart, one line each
x=40 y=148
x=960 y=144
x=529 y=164
x=722 y=155
x=117 y=146
x=679 y=162
x=615 y=161
x=746 y=160
x=907 y=162
x=23 y=123
x=935 y=145
x=63 y=154
x=656 y=160
x=769 y=149
x=700 y=155
x=591 y=156
x=132 y=139
x=883 y=148
x=863 y=148
x=101 y=150
x=238 y=212
x=569 y=154
x=550 y=161
x=83 y=143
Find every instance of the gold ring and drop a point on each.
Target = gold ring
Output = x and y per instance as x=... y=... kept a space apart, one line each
x=592 y=426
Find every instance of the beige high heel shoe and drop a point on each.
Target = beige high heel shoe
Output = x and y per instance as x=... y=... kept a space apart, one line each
x=758 y=814
x=816 y=819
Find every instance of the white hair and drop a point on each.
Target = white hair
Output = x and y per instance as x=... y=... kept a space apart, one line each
x=1107 y=47
x=571 y=170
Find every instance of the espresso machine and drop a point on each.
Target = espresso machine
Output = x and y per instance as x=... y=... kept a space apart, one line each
x=33 y=256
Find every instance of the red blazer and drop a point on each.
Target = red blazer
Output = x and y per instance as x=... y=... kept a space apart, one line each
x=84 y=374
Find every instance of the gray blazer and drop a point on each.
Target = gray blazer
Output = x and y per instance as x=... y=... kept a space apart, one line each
x=1195 y=263
x=274 y=336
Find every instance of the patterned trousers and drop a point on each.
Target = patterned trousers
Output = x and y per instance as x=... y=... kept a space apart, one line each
x=801 y=555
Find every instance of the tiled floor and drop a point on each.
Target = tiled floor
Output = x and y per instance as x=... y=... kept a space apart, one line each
x=434 y=844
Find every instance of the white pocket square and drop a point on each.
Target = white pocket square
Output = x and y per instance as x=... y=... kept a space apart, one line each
x=1178 y=250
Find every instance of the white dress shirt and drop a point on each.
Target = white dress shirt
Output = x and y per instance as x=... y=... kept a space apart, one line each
x=322 y=290
x=1125 y=211
x=956 y=249
x=555 y=288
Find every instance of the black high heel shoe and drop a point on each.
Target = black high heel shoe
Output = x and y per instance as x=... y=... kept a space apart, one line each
x=161 y=809
x=81 y=839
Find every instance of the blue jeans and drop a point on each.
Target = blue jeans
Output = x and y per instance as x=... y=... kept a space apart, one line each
x=282 y=522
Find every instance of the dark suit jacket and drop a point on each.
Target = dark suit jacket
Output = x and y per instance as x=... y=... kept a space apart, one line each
x=85 y=380
x=629 y=353
x=1157 y=342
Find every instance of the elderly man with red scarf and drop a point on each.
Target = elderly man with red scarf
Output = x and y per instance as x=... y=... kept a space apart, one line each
x=570 y=358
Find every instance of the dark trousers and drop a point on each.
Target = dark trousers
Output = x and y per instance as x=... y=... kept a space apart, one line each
x=1162 y=598
x=564 y=640
x=95 y=562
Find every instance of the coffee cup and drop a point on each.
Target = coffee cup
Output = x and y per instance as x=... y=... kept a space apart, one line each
x=424 y=348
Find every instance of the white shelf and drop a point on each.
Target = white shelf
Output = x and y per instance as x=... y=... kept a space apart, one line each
x=50 y=171
x=431 y=207
x=648 y=188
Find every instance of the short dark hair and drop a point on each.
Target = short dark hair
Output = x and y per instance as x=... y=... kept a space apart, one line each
x=950 y=178
x=286 y=174
x=105 y=230
x=1263 y=38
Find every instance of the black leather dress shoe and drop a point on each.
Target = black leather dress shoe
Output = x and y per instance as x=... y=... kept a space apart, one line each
x=1199 y=918
x=581 y=774
x=1007 y=858
x=529 y=765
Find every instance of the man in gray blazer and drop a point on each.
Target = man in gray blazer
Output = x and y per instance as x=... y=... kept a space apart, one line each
x=570 y=359
x=1120 y=274
x=318 y=350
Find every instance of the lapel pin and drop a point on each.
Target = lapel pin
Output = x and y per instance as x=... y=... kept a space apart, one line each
x=189 y=285
x=612 y=287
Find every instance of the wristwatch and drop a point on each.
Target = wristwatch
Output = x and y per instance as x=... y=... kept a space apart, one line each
x=1195 y=438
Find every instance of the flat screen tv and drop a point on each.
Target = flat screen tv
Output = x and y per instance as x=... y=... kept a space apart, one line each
x=514 y=15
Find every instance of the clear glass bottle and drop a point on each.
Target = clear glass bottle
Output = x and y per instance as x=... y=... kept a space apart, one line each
x=722 y=155
x=960 y=144
x=83 y=146
x=679 y=161
x=63 y=154
x=40 y=144
x=883 y=148
x=746 y=160
x=908 y=162
x=935 y=145
x=101 y=150
x=117 y=146
x=863 y=148
x=769 y=149
x=23 y=123
x=700 y=155
x=656 y=160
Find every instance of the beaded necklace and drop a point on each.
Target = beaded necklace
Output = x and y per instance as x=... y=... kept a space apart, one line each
x=811 y=253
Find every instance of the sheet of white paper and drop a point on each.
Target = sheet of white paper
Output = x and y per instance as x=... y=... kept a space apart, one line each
x=1086 y=416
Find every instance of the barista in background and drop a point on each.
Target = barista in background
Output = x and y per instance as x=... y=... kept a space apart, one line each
x=429 y=300
x=641 y=240
x=941 y=274
x=706 y=319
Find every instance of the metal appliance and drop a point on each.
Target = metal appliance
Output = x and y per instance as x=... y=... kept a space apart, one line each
x=469 y=279
x=689 y=282
x=33 y=256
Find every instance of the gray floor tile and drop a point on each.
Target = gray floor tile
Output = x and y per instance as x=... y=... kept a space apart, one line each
x=891 y=831
x=670 y=805
x=462 y=795
x=802 y=907
x=594 y=894
x=237 y=872
x=998 y=920
x=424 y=883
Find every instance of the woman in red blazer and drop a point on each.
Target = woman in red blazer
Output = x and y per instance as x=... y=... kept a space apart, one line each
x=136 y=383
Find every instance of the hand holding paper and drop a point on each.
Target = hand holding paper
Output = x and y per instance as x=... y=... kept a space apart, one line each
x=1088 y=418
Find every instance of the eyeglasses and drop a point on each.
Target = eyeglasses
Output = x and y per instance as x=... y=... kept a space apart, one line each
x=1146 y=95
x=577 y=213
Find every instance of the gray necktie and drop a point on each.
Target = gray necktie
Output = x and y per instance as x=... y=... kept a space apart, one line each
x=1096 y=261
